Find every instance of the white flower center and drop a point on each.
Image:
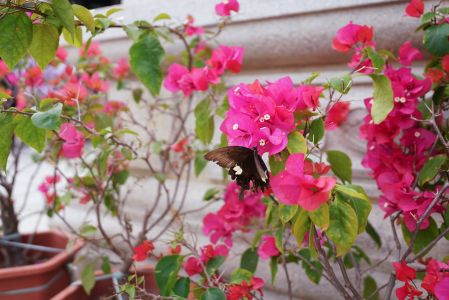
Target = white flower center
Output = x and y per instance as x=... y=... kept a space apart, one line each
x=386 y=205
x=417 y=134
x=262 y=142
x=372 y=147
x=266 y=117
x=237 y=89
x=371 y=122
x=235 y=126
x=261 y=119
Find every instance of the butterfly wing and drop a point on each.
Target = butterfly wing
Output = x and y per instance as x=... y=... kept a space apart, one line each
x=244 y=165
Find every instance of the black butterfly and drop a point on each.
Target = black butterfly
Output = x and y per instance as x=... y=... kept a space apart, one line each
x=245 y=166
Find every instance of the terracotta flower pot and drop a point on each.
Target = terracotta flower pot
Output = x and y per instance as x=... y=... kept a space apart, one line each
x=105 y=287
x=42 y=280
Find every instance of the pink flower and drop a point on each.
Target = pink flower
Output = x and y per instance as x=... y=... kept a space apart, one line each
x=178 y=79
x=224 y=8
x=192 y=266
x=444 y=64
x=293 y=187
x=202 y=77
x=407 y=290
x=403 y=272
x=234 y=215
x=61 y=54
x=33 y=76
x=350 y=35
x=442 y=289
x=190 y=29
x=73 y=141
x=408 y=54
x=94 y=82
x=267 y=247
x=226 y=58
x=121 y=70
x=180 y=146
x=415 y=8
x=210 y=251
x=144 y=250
x=70 y=93
x=309 y=96
x=112 y=107
x=337 y=115
x=92 y=51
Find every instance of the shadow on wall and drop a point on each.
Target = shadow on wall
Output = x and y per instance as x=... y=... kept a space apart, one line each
x=91 y=4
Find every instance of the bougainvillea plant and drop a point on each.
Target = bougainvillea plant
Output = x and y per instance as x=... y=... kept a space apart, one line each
x=311 y=216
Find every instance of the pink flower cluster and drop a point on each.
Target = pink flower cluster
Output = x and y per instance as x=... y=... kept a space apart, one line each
x=224 y=58
x=234 y=215
x=302 y=183
x=435 y=282
x=194 y=265
x=399 y=146
x=357 y=37
x=263 y=116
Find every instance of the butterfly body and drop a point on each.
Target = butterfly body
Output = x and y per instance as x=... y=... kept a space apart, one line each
x=244 y=165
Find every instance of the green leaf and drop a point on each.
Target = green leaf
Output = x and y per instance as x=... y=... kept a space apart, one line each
x=240 y=275
x=320 y=216
x=376 y=59
x=373 y=234
x=210 y=194
x=297 y=143
x=249 y=260
x=316 y=131
x=436 y=39
x=88 y=229
x=146 y=56
x=343 y=225
x=431 y=168
x=300 y=226
x=369 y=287
x=213 y=294
x=341 y=164
x=75 y=40
x=341 y=83
x=313 y=273
x=278 y=239
x=311 y=78
x=85 y=16
x=287 y=212
x=204 y=122
x=360 y=204
x=161 y=16
x=64 y=12
x=112 y=11
x=277 y=162
x=273 y=268
x=88 y=277
x=382 y=98
x=49 y=119
x=16 y=35
x=424 y=237
x=29 y=134
x=352 y=190
x=106 y=265
x=44 y=44
x=200 y=163
x=5 y=96
x=6 y=136
x=182 y=287
x=214 y=264
x=166 y=273
x=312 y=247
